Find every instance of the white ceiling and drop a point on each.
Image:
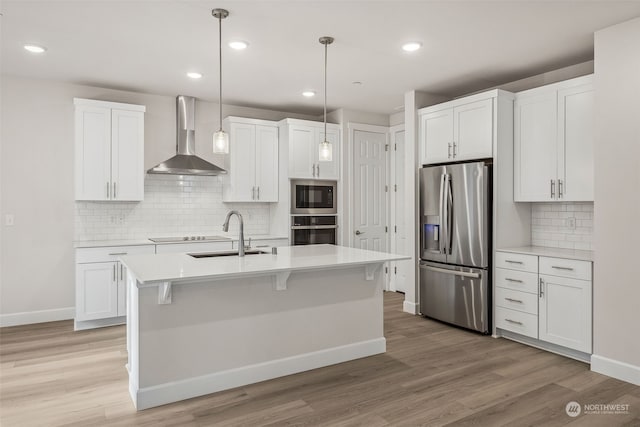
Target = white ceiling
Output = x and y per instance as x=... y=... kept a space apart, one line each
x=148 y=46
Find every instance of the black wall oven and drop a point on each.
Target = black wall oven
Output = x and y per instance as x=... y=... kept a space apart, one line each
x=313 y=197
x=313 y=230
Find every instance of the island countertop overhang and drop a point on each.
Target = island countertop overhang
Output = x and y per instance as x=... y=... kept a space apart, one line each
x=152 y=269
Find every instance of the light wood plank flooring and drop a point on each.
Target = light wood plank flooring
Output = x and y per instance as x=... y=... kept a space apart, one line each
x=431 y=375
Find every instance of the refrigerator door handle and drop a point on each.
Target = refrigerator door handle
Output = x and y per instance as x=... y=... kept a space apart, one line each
x=441 y=213
x=448 y=214
x=452 y=272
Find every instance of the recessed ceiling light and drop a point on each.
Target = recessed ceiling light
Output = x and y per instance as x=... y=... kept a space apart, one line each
x=238 y=45
x=411 y=46
x=194 y=75
x=308 y=93
x=34 y=48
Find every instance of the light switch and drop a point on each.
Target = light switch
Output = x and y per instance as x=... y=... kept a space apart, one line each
x=8 y=219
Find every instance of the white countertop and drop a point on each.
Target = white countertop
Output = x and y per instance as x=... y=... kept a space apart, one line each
x=551 y=252
x=176 y=267
x=138 y=242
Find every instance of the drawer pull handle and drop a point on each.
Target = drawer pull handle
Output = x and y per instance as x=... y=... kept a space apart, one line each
x=514 y=321
x=562 y=268
x=513 y=262
x=514 y=300
x=118 y=253
x=508 y=279
x=262 y=246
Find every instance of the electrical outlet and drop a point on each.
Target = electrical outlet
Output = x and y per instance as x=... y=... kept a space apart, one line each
x=571 y=223
x=9 y=220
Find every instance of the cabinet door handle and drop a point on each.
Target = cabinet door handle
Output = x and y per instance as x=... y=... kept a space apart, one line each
x=318 y=169
x=313 y=169
x=514 y=300
x=562 y=268
x=514 y=321
x=510 y=261
x=114 y=273
x=448 y=150
x=114 y=190
x=108 y=187
x=253 y=193
x=553 y=189
x=121 y=272
x=541 y=288
x=117 y=253
x=258 y=193
x=454 y=149
x=508 y=279
x=559 y=188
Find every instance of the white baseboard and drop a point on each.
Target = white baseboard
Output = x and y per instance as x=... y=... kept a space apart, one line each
x=410 y=307
x=99 y=323
x=41 y=316
x=162 y=394
x=616 y=369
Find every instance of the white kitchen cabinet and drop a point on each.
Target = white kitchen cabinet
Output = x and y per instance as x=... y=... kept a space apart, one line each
x=252 y=162
x=303 y=140
x=565 y=312
x=553 y=142
x=462 y=129
x=545 y=298
x=109 y=151
x=101 y=284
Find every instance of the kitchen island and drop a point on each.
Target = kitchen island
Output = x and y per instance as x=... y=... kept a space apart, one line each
x=201 y=325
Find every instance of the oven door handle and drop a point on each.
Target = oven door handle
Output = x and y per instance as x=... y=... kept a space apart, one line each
x=313 y=227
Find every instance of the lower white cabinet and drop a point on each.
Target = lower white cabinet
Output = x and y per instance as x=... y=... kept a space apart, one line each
x=101 y=284
x=545 y=298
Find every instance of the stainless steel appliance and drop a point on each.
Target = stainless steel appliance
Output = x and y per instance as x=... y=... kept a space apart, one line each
x=313 y=230
x=455 y=244
x=313 y=197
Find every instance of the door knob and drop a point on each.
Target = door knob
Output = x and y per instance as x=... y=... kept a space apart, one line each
x=358 y=232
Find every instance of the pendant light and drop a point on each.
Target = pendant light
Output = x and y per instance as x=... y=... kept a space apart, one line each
x=220 y=138
x=326 y=148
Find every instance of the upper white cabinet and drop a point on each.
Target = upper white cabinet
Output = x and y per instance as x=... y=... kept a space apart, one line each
x=462 y=129
x=109 y=150
x=252 y=162
x=553 y=137
x=303 y=139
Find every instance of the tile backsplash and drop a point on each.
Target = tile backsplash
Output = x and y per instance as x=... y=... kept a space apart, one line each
x=174 y=205
x=550 y=225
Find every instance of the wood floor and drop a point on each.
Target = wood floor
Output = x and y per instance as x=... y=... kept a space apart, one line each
x=431 y=375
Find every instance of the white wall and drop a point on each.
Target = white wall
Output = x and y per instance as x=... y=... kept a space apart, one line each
x=616 y=317
x=36 y=180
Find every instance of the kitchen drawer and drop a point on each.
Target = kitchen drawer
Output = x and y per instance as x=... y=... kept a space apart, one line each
x=516 y=300
x=517 y=280
x=194 y=247
x=517 y=321
x=514 y=261
x=110 y=253
x=561 y=267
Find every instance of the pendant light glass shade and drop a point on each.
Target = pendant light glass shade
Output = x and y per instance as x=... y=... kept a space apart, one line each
x=220 y=138
x=325 y=153
x=221 y=142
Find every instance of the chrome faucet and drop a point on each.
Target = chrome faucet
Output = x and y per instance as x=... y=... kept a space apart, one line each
x=225 y=228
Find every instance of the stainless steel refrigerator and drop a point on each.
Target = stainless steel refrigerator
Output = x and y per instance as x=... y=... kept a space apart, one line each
x=455 y=244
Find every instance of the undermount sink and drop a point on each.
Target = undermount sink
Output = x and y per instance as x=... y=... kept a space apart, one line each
x=224 y=253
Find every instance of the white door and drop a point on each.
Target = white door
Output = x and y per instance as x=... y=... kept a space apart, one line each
x=399 y=229
x=127 y=155
x=93 y=153
x=369 y=192
x=473 y=130
x=329 y=170
x=97 y=291
x=535 y=147
x=436 y=136
x=302 y=151
x=565 y=312
x=243 y=162
x=575 y=143
x=266 y=163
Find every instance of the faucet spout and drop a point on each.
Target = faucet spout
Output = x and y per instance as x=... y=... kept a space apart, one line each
x=225 y=228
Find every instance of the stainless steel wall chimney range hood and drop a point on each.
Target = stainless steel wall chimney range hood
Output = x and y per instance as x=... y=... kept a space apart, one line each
x=186 y=162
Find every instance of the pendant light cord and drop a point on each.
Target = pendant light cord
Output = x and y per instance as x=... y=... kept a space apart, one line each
x=220 y=65
x=325 y=91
